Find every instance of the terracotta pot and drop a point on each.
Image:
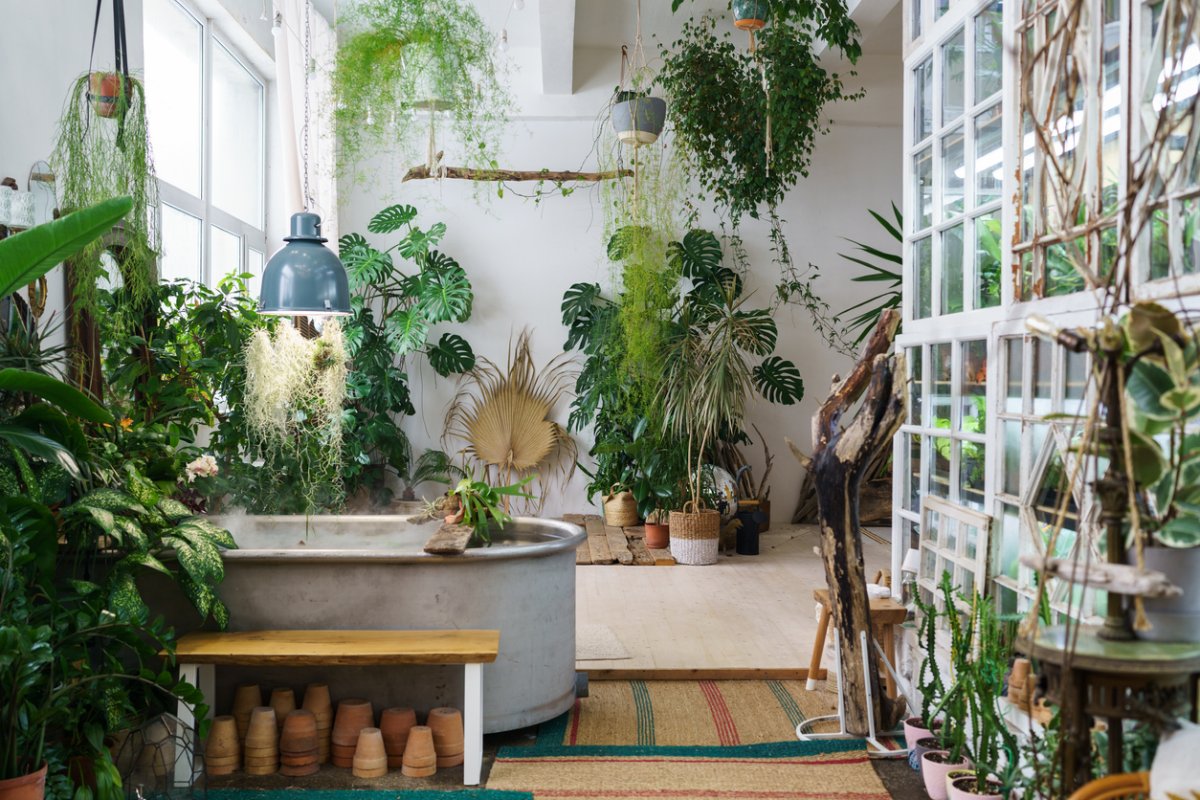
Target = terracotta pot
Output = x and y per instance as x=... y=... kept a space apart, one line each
x=370 y=745
x=934 y=771
x=247 y=698
x=914 y=731
x=300 y=770
x=299 y=733
x=316 y=699
x=262 y=731
x=964 y=789
x=420 y=758
x=658 y=536
x=104 y=91
x=352 y=716
x=284 y=703
x=25 y=787
x=395 y=723
x=222 y=738
x=750 y=15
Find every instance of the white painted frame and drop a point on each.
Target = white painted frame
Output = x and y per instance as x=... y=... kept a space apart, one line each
x=956 y=556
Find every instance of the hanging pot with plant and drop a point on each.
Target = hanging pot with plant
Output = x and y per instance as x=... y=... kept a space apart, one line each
x=109 y=92
x=638 y=118
x=751 y=15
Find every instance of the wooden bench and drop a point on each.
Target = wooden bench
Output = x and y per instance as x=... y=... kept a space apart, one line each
x=198 y=655
x=886 y=613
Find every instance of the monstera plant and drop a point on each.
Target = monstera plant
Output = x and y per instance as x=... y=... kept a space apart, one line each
x=393 y=312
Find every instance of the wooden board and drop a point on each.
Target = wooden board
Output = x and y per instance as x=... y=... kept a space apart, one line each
x=733 y=674
x=663 y=558
x=637 y=546
x=583 y=553
x=598 y=541
x=618 y=545
x=450 y=540
x=343 y=648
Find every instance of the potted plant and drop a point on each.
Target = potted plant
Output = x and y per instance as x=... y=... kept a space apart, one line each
x=110 y=93
x=480 y=505
x=637 y=118
x=751 y=15
x=929 y=678
x=954 y=706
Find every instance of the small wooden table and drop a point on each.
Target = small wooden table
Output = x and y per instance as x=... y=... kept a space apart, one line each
x=1116 y=680
x=885 y=613
x=198 y=655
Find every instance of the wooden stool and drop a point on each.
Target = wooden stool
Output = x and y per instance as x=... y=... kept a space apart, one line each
x=885 y=613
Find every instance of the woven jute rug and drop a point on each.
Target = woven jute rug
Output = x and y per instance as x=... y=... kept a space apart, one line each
x=689 y=739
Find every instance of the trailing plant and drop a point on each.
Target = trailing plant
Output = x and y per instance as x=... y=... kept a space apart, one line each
x=402 y=65
x=482 y=505
x=746 y=120
x=98 y=158
x=393 y=312
x=798 y=287
x=295 y=388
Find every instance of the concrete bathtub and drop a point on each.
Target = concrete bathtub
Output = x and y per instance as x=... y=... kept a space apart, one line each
x=365 y=572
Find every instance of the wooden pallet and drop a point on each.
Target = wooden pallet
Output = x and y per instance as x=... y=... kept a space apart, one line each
x=608 y=544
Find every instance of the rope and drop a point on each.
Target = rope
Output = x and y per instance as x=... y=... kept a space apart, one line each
x=307 y=65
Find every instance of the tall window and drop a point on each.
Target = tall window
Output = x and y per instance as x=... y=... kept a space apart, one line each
x=208 y=132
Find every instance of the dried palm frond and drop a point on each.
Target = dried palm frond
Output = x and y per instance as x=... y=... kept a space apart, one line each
x=503 y=415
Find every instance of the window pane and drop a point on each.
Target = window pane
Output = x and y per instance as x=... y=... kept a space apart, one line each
x=952 y=270
x=1075 y=390
x=174 y=88
x=914 y=473
x=226 y=253
x=1014 y=379
x=1011 y=479
x=923 y=185
x=1110 y=153
x=939 y=480
x=973 y=387
x=953 y=172
x=916 y=9
x=987 y=260
x=923 y=291
x=923 y=100
x=970 y=474
x=1160 y=238
x=1043 y=366
x=237 y=131
x=942 y=355
x=953 y=71
x=181 y=245
x=989 y=156
x=989 y=52
x=1190 y=235
x=914 y=385
x=254 y=265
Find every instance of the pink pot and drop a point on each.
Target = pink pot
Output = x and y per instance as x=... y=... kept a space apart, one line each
x=934 y=773
x=959 y=793
x=914 y=732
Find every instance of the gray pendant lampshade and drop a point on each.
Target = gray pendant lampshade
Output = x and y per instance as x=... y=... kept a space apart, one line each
x=304 y=277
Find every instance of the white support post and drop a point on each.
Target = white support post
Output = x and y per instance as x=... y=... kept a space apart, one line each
x=184 y=768
x=473 y=724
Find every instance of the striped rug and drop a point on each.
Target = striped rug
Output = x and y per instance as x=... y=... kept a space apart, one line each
x=676 y=740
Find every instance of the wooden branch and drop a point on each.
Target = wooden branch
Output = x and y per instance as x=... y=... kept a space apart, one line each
x=845 y=392
x=423 y=172
x=1119 y=578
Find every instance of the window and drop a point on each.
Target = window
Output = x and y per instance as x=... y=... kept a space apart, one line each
x=208 y=131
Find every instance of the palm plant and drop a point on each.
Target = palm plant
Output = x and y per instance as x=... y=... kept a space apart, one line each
x=503 y=415
x=881 y=273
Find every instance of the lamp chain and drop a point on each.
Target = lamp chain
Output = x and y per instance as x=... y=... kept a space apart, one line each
x=307 y=66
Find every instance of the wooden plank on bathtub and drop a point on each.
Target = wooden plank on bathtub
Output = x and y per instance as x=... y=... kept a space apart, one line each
x=618 y=545
x=333 y=647
x=637 y=546
x=450 y=540
x=598 y=541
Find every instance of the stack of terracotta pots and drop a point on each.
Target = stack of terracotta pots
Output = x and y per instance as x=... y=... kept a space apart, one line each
x=247 y=698
x=447 y=727
x=316 y=700
x=298 y=747
x=370 y=758
x=262 y=743
x=284 y=703
x=420 y=759
x=395 y=723
x=352 y=716
x=222 y=752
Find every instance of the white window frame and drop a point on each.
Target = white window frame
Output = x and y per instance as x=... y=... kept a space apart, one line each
x=251 y=237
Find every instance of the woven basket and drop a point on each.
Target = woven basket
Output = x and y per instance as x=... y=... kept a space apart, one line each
x=620 y=509
x=695 y=535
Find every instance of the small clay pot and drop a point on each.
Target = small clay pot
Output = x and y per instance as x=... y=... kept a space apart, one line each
x=394 y=724
x=299 y=733
x=658 y=536
x=419 y=753
x=222 y=741
x=370 y=745
x=352 y=716
x=262 y=732
x=284 y=703
x=246 y=698
x=316 y=699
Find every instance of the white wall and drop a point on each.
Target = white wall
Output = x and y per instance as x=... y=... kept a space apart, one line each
x=521 y=257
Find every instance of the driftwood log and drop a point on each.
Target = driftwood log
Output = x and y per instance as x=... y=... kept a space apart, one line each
x=1123 y=579
x=423 y=172
x=840 y=458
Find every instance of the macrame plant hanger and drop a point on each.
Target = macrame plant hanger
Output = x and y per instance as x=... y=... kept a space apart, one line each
x=120 y=62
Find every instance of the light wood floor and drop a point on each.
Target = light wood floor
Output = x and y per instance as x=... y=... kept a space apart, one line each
x=743 y=613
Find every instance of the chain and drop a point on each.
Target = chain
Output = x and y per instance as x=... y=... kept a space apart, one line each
x=307 y=65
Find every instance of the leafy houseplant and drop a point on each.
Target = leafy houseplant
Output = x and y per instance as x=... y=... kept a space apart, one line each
x=399 y=59
x=993 y=746
x=929 y=676
x=481 y=505
x=954 y=706
x=393 y=312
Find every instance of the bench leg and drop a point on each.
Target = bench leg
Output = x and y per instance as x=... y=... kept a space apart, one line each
x=473 y=724
x=203 y=677
x=814 y=666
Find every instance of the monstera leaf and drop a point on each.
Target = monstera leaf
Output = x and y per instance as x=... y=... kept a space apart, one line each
x=578 y=301
x=365 y=265
x=697 y=254
x=445 y=290
x=755 y=331
x=418 y=242
x=392 y=219
x=779 y=381
x=452 y=355
x=626 y=240
x=406 y=330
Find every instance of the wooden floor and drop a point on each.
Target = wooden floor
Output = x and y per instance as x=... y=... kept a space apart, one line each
x=747 y=616
x=609 y=544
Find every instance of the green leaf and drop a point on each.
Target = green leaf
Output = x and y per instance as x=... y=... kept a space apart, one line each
x=113 y=500
x=578 y=301
x=63 y=395
x=627 y=241
x=1146 y=385
x=451 y=356
x=41 y=447
x=29 y=255
x=755 y=331
x=392 y=219
x=697 y=254
x=406 y=330
x=365 y=266
x=779 y=381
x=1183 y=532
x=418 y=242
x=445 y=291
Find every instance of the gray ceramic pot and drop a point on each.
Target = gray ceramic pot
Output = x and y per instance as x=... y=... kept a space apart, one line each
x=1175 y=619
x=639 y=120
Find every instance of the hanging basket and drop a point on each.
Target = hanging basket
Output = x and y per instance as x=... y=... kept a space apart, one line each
x=751 y=15
x=104 y=91
x=620 y=509
x=695 y=535
x=638 y=119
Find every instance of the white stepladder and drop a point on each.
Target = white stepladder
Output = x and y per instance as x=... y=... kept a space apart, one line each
x=841 y=733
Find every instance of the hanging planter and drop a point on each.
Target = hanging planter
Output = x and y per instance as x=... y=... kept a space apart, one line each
x=751 y=15
x=637 y=118
x=105 y=90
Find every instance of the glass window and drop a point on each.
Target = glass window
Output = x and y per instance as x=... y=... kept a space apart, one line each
x=923 y=259
x=923 y=186
x=987 y=260
x=943 y=360
x=989 y=156
x=952 y=270
x=226 y=251
x=174 y=91
x=989 y=52
x=181 y=245
x=237 y=128
x=953 y=78
x=953 y=173
x=923 y=100
x=973 y=387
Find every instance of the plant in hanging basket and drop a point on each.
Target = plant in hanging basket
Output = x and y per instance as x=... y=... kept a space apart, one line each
x=405 y=64
x=637 y=118
x=751 y=15
x=109 y=92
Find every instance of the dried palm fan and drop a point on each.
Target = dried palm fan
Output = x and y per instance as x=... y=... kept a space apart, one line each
x=503 y=415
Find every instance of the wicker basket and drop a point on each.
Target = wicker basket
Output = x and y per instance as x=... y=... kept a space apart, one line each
x=695 y=535
x=620 y=509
